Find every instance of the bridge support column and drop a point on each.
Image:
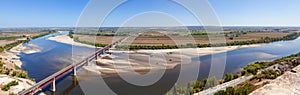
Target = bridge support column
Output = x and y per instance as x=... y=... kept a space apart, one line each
x=53 y=85
x=104 y=52
x=96 y=58
x=74 y=71
x=87 y=62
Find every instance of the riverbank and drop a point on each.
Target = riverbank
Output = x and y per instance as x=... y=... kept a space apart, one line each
x=67 y=40
x=22 y=84
x=11 y=57
x=30 y=49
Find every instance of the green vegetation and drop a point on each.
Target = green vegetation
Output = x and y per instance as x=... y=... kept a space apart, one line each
x=210 y=82
x=270 y=74
x=198 y=33
x=11 y=45
x=244 y=89
x=253 y=68
x=47 y=33
x=71 y=34
x=195 y=86
x=265 y=40
x=1 y=63
x=7 y=86
x=247 y=87
x=229 y=77
x=136 y=47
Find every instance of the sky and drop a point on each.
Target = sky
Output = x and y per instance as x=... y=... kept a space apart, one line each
x=65 y=13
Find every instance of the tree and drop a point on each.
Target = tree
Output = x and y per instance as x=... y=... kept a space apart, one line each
x=229 y=91
x=228 y=77
x=221 y=92
x=211 y=82
x=195 y=86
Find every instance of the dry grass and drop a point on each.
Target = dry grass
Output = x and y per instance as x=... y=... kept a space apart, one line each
x=156 y=38
x=257 y=36
x=5 y=42
x=98 y=39
x=12 y=34
x=15 y=34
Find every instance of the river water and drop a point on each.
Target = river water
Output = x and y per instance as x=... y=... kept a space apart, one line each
x=55 y=56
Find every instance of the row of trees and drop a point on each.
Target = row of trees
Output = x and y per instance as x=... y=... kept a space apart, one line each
x=11 y=45
x=136 y=47
x=198 y=33
x=230 y=76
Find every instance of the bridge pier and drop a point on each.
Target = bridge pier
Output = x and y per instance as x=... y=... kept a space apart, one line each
x=74 y=71
x=53 y=85
x=104 y=52
x=87 y=63
x=96 y=58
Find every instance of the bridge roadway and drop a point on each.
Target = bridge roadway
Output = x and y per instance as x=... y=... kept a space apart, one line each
x=51 y=79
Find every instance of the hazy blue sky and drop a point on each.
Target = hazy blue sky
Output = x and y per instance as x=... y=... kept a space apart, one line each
x=62 y=13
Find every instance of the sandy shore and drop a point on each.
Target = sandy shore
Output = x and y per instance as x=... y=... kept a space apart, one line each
x=27 y=50
x=145 y=60
x=23 y=84
x=67 y=40
x=286 y=84
x=11 y=58
x=200 y=51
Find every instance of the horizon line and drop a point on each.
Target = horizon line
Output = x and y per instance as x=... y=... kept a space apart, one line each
x=153 y=26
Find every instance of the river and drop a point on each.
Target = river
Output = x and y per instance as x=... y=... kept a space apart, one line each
x=55 y=56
